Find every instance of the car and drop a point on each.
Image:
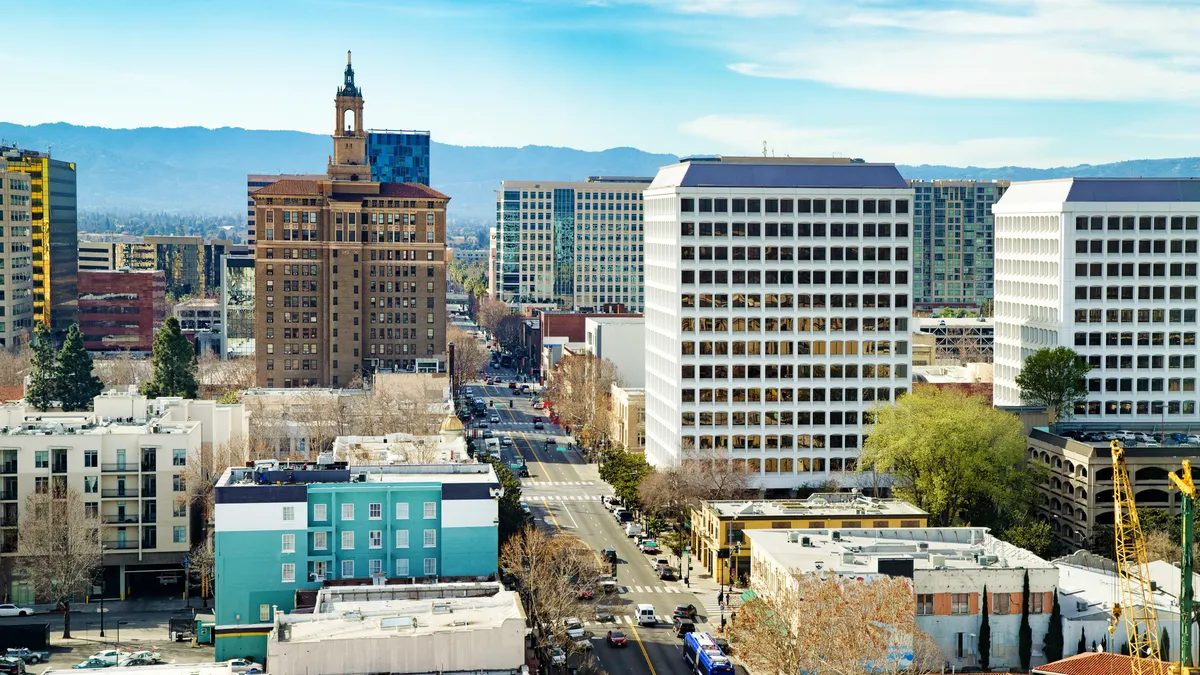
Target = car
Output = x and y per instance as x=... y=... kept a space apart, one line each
x=558 y=657
x=616 y=638
x=539 y=405
x=495 y=419
x=110 y=656
x=92 y=663
x=11 y=666
x=27 y=655
x=522 y=471
x=585 y=593
x=551 y=441
x=516 y=392
x=610 y=555
x=687 y=612
x=574 y=628
x=487 y=433
x=666 y=574
x=1192 y=439
x=148 y=655
x=244 y=666
x=136 y=661
x=683 y=626
x=482 y=424
x=661 y=563
x=526 y=511
x=14 y=610
x=539 y=426
x=583 y=644
x=512 y=385
x=649 y=546
x=506 y=440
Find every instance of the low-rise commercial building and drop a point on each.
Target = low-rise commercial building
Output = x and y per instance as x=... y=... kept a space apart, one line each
x=470 y=256
x=198 y=314
x=424 y=628
x=719 y=527
x=629 y=418
x=961 y=341
x=120 y=310
x=950 y=567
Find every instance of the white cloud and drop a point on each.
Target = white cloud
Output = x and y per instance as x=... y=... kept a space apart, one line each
x=745 y=134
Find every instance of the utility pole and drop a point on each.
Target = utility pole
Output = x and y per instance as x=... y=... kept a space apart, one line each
x=1188 y=490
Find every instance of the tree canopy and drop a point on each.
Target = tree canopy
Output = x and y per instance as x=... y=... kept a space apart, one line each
x=75 y=383
x=624 y=471
x=954 y=456
x=173 y=361
x=43 y=367
x=1054 y=377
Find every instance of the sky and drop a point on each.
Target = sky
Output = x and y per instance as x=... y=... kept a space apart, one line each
x=1037 y=83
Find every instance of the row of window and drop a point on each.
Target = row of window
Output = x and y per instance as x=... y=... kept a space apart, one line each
x=1001 y=603
x=788 y=348
x=784 y=300
x=789 y=254
x=741 y=229
x=751 y=205
x=752 y=442
x=802 y=394
x=374 y=540
x=1115 y=223
x=785 y=277
x=1126 y=315
x=1126 y=339
x=802 y=324
x=374 y=567
x=1115 y=384
x=374 y=511
x=1143 y=292
x=1139 y=407
x=1144 y=361
x=1126 y=246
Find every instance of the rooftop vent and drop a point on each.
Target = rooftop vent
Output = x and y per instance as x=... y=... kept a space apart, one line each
x=938 y=561
x=442 y=608
x=837 y=536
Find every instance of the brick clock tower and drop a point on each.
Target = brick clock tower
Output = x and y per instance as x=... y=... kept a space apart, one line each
x=349 y=161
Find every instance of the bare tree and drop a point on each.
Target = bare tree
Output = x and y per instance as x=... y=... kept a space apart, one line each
x=581 y=389
x=204 y=469
x=701 y=475
x=201 y=567
x=490 y=312
x=830 y=624
x=508 y=332
x=218 y=377
x=121 y=370
x=14 y=365
x=59 y=544
x=469 y=355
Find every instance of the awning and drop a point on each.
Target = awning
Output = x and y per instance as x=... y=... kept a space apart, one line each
x=749 y=595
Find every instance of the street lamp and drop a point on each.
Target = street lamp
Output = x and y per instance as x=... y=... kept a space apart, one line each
x=102 y=549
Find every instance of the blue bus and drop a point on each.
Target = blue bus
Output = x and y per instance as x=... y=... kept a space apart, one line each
x=704 y=656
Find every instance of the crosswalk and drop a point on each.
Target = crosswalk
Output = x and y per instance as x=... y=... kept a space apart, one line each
x=650 y=589
x=544 y=483
x=561 y=498
x=620 y=620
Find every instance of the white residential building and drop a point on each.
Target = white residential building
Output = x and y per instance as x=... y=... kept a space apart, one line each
x=1107 y=267
x=621 y=341
x=777 y=311
x=129 y=460
x=577 y=245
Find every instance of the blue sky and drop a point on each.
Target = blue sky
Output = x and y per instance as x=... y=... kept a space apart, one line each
x=986 y=83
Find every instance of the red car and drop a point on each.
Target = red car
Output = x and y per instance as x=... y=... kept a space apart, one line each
x=616 y=639
x=586 y=593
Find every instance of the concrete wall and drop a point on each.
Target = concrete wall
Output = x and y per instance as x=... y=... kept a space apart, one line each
x=623 y=343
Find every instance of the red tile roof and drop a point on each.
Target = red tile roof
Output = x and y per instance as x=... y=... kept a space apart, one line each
x=291 y=187
x=409 y=191
x=12 y=393
x=1097 y=663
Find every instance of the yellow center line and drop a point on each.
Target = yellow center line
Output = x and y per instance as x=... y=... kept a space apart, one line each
x=541 y=469
x=642 y=647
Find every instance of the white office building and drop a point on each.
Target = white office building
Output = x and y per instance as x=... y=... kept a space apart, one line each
x=1107 y=267
x=777 y=311
x=577 y=245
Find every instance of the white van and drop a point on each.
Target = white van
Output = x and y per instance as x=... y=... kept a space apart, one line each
x=645 y=615
x=493 y=446
x=633 y=530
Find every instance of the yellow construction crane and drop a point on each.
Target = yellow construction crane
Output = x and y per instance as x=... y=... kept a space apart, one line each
x=1133 y=572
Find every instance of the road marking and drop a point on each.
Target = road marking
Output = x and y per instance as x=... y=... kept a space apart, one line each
x=633 y=630
x=574 y=525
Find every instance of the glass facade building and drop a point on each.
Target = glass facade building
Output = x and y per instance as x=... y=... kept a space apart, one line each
x=237 y=306
x=398 y=156
x=953 y=242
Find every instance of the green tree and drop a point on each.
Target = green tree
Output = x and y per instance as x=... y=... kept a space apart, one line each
x=1164 y=647
x=1025 y=631
x=954 y=456
x=1053 y=646
x=985 y=635
x=624 y=471
x=512 y=516
x=75 y=384
x=1054 y=377
x=42 y=369
x=174 y=363
x=1033 y=536
x=1082 y=646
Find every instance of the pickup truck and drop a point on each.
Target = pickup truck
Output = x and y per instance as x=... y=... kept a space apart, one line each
x=30 y=656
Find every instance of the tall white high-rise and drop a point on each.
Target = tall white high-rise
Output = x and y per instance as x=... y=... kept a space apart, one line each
x=1107 y=267
x=778 y=298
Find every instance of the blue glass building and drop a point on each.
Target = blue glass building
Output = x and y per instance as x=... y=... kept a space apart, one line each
x=398 y=156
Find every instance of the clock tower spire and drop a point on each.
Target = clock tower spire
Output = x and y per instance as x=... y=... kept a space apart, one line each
x=349 y=161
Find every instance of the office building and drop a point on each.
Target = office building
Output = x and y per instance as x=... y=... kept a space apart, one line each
x=470 y=256
x=953 y=242
x=282 y=529
x=351 y=274
x=180 y=258
x=575 y=245
x=54 y=231
x=213 y=253
x=255 y=181
x=628 y=418
x=1108 y=268
x=398 y=156
x=237 y=306
x=198 y=315
x=16 y=240
x=121 y=310
x=777 y=312
x=128 y=459
x=719 y=528
x=960 y=341
x=949 y=568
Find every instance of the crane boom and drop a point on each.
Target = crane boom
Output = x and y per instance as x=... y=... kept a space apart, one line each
x=1133 y=572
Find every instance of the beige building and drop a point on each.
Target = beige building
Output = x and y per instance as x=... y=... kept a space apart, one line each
x=16 y=216
x=255 y=181
x=198 y=314
x=629 y=418
x=350 y=275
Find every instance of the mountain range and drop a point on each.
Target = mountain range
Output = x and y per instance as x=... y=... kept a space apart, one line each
x=203 y=171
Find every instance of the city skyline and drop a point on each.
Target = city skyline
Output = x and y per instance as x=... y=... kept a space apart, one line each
x=975 y=83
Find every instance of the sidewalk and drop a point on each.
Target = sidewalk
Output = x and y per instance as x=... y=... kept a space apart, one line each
x=114 y=606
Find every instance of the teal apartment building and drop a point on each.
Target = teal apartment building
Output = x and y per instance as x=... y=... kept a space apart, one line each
x=282 y=529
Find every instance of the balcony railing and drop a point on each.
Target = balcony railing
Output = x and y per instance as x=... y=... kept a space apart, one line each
x=127 y=492
x=149 y=518
x=8 y=495
x=120 y=467
x=114 y=519
x=8 y=468
x=115 y=545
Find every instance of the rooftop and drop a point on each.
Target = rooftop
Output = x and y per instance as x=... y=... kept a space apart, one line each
x=160 y=669
x=1096 y=663
x=1087 y=593
x=326 y=471
x=815 y=506
x=291 y=186
x=969 y=374
x=855 y=551
x=1051 y=195
x=769 y=173
x=964 y=322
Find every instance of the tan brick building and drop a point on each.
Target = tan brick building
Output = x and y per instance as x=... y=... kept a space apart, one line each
x=350 y=275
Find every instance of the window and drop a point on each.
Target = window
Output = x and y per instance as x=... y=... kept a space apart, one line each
x=430 y=538
x=41 y=459
x=264 y=612
x=375 y=511
x=289 y=543
x=924 y=604
x=347 y=540
x=347 y=569
x=960 y=603
x=431 y=509
x=347 y=512
x=1001 y=603
x=376 y=566
x=179 y=483
x=179 y=457
x=1036 y=603
x=402 y=567
x=179 y=534
x=319 y=511
x=375 y=539
x=91 y=484
x=91 y=458
x=320 y=541
x=430 y=566
x=289 y=514
x=401 y=538
x=289 y=573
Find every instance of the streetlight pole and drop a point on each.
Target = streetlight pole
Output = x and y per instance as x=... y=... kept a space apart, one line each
x=101 y=590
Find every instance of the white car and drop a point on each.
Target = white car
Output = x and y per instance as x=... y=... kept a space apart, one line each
x=574 y=628
x=244 y=666
x=506 y=441
x=13 y=610
x=558 y=657
x=1194 y=439
x=495 y=419
x=110 y=656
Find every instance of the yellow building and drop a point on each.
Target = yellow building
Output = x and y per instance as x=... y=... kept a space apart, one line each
x=55 y=235
x=718 y=540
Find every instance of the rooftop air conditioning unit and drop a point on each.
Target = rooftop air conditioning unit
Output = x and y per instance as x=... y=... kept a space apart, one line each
x=937 y=561
x=805 y=541
x=922 y=546
x=794 y=537
x=837 y=536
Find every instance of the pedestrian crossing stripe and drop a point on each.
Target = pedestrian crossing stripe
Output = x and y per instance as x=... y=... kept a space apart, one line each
x=539 y=483
x=650 y=589
x=620 y=619
x=561 y=498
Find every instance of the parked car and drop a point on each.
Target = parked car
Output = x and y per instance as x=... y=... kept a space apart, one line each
x=574 y=628
x=14 y=610
x=27 y=655
x=632 y=529
x=585 y=593
x=1192 y=439
x=136 y=661
x=110 y=656
x=616 y=638
x=660 y=564
x=583 y=644
x=666 y=574
x=685 y=611
x=648 y=546
x=92 y=663
x=244 y=666
x=558 y=657
x=11 y=666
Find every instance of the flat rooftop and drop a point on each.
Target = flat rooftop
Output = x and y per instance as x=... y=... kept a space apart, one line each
x=160 y=669
x=815 y=506
x=856 y=551
x=963 y=322
x=314 y=474
x=382 y=618
x=767 y=172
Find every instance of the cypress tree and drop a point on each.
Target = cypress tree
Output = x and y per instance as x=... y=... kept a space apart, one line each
x=174 y=364
x=43 y=367
x=1052 y=647
x=1082 y=646
x=985 y=635
x=75 y=383
x=1025 y=632
x=1165 y=646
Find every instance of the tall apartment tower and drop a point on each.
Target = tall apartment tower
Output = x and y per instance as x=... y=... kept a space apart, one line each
x=953 y=239
x=350 y=274
x=255 y=181
x=16 y=276
x=777 y=306
x=54 y=236
x=578 y=245
x=1107 y=267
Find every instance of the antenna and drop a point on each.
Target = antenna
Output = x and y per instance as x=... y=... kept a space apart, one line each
x=764 y=148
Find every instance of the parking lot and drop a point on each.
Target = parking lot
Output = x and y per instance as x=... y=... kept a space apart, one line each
x=1144 y=439
x=135 y=634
